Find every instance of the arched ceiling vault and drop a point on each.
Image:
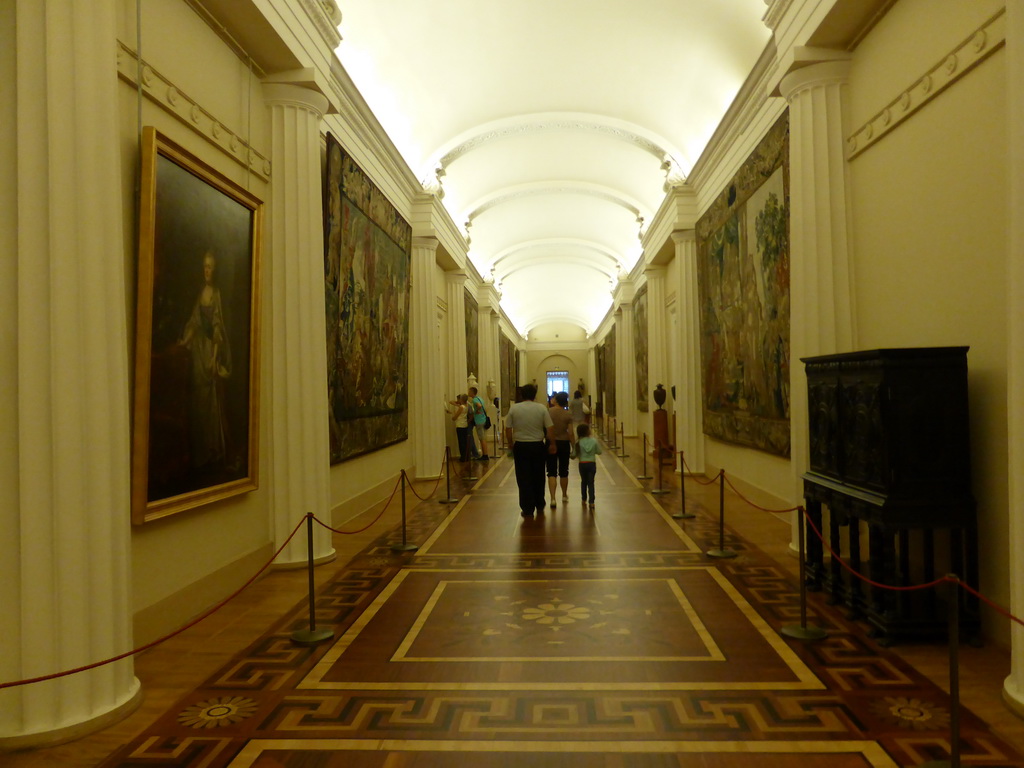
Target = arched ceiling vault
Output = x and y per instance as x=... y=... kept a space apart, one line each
x=552 y=129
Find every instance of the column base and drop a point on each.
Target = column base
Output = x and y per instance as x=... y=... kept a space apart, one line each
x=68 y=733
x=1014 y=697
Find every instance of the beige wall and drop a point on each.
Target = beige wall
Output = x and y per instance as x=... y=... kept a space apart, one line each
x=930 y=228
x=171 y=555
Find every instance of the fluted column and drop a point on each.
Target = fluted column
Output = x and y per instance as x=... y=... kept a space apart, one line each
x=821 y=291
x=426 y=422
x=689 y=384
x=299 y=433
x=455 y=284
x=657 y=337
x=64 y=396
x=1013 y=688
x=625 y=367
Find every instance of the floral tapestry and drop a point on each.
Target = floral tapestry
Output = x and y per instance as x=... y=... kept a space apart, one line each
x=640 y=347
x=473 y=340
x=368 y=247
x=509 y=363
x=743 y=279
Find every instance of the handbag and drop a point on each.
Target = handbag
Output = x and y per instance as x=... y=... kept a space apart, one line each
x=487 y=423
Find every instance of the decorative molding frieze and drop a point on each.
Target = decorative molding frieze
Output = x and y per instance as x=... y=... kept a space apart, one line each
x=326 y=16
x=776 y=11
x=172 y=99
x=989 y=38
x=355 y=114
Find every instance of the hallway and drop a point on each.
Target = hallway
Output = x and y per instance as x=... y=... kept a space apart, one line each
x=604 y=638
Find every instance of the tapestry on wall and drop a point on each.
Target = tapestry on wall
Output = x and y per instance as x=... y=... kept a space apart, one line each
x=743 y=278
x=609 y=373
x=473 y=340
x=640 y=347
x=509 y=372
x=368 y=247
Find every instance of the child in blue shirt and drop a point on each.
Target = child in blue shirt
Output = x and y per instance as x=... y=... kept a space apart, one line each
x=587 y=449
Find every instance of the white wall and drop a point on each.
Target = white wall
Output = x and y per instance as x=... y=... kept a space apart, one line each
x=173 y=554
x=930 y=228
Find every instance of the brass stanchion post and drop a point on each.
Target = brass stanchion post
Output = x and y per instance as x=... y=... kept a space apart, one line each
x=721 y=552
x=404 y=546
x=660 y=489
x=311 y=636
x=953 y=613
x=803 y=631
x=469 y=450
x=448 y=476
x=644 y=476
x=682 y=514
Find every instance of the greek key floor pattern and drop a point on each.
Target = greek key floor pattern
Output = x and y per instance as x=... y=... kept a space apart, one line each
x=582 y=638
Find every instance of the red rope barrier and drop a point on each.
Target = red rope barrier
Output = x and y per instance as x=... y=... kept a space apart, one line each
x=995 y=606
x=168 y=636
x=755 y=506
x=437 y=482
x=865 y=579
x=692 y=476
x=372 y=522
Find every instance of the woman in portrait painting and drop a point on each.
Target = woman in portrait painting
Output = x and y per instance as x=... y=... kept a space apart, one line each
x=207 y=341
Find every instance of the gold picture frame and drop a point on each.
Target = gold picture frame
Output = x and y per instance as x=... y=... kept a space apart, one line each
x=195 y=434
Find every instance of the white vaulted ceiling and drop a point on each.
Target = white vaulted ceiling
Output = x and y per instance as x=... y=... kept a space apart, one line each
x=551 y=125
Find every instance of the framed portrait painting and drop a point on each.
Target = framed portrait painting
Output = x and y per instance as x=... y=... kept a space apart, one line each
x=196 y=423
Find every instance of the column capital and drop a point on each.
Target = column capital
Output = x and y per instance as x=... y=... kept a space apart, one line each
x=813 y=75
x=684 y=236
x=429 y=243
x=655 y=271
x=300 y=87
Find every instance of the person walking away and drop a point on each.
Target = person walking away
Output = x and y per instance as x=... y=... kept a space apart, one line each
x=527 y=423
x=476 y=407
x=587 y=449
x=578 y=410
x=461 y=418
x=558 y=462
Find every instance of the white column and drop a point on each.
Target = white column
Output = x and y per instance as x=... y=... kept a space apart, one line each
x=299 y=443
x=821 y=291
x=1013 y=688
x=689 y=389
x=426 y=414
x=64 y=399
x=657 y=340
x=625 y=371
x=455 y=283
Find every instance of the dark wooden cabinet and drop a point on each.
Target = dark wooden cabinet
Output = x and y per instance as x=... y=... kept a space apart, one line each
x=889 y=442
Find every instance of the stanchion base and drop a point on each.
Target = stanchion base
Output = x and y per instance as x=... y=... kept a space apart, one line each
x=448 y=501
x=622 y=455
x=470 y=479
x=404 y=547
x=720 y=553
x=311 y=636
x=658 y=491
x=683 y=516
x=644 y=477
x=809 y=632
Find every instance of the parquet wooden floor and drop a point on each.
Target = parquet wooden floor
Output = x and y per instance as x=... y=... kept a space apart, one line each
x=604 y=637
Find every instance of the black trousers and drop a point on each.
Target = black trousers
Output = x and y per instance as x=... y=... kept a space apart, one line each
x=530 y=459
